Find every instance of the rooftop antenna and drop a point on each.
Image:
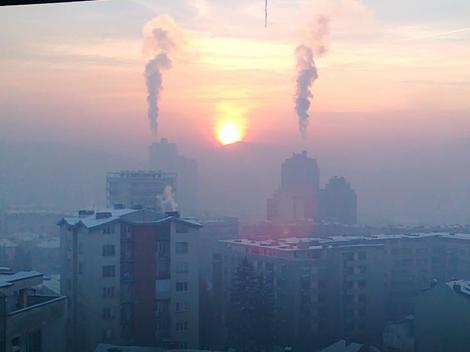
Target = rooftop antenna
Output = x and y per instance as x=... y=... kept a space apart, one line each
x=265 y=13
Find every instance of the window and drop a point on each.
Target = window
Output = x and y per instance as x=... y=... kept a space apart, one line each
x=108 y=250
x=181 y=247
x=106 y=313
x=80 y=268
x=33 y=341
x=108 y=229
x=182 y=326
x=109 y=271
x=181 y=307
x=108 y=292
x=181 y=267
x=163 y=248
x=181 y=286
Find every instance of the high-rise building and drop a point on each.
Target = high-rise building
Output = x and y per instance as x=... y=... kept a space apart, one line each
x=131 y=277
x=338 y=202
x=296 y=199
x=300 y=200
x=148 y=189
x=164 y=156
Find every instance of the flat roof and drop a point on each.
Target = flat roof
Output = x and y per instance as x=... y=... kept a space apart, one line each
x=309 y=243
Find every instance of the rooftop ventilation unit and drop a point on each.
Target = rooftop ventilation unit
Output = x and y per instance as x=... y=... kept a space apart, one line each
x=103 y=215
x=82 y=213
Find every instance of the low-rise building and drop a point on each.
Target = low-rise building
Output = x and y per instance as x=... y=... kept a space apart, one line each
x=442 y=318
x=30 y=321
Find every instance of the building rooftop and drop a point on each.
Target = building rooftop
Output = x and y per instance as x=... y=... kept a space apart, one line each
x=92 y=219
x=343 y=346
x=296 y=243
x=141 y=173
x=8 y=280
x=460 y=286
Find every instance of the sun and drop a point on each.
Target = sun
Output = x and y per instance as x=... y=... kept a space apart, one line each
x=229 y=132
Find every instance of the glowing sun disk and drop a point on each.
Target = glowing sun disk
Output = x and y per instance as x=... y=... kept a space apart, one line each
x=229 y=132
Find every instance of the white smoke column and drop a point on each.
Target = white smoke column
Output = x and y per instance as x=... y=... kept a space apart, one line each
x=159 y=42
x=153 y=80
x=307 y=71
x=306 y=74
x=166 y=201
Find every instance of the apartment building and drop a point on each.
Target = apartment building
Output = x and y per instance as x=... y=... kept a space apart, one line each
x=132 y=278
x=343 y=286
x=29 y=320
x=319 y=290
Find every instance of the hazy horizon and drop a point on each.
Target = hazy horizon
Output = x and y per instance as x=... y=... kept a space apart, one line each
x=390 y=108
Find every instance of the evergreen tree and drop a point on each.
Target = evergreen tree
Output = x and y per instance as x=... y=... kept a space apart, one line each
x=251 y=311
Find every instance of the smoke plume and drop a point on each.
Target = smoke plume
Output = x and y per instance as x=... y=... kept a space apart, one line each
x=166 y=201
x=307 y=71
x=153 y=80
x=160 y=43
x=306 y=74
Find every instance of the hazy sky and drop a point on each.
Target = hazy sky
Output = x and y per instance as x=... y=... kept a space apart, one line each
x=74 y=71
x=396 y=77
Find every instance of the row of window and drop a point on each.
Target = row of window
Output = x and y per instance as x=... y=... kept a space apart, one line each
x=110 y=270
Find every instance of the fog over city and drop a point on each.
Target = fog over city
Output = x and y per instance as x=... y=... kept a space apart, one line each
x=198 y=164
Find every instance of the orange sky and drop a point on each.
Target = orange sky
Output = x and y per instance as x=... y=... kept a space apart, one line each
x=95 y=82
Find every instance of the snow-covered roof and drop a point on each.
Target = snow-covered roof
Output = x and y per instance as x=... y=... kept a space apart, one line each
x=7 y=280
x=306 y=243
x=92 y=220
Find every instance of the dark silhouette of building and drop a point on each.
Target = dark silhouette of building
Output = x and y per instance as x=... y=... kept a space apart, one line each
x=296 y=199
x=300 y=200
x=338 y=202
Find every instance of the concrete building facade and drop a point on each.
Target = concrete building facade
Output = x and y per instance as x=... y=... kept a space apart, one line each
x=343 y=286
x=132 y=278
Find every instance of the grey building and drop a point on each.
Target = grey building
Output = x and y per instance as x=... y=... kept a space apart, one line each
x=132 y=278
x=299 y=198
x=296 y=199
x=29 y=320
x=343 y=286
x=442 y=318
x=338 y=202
